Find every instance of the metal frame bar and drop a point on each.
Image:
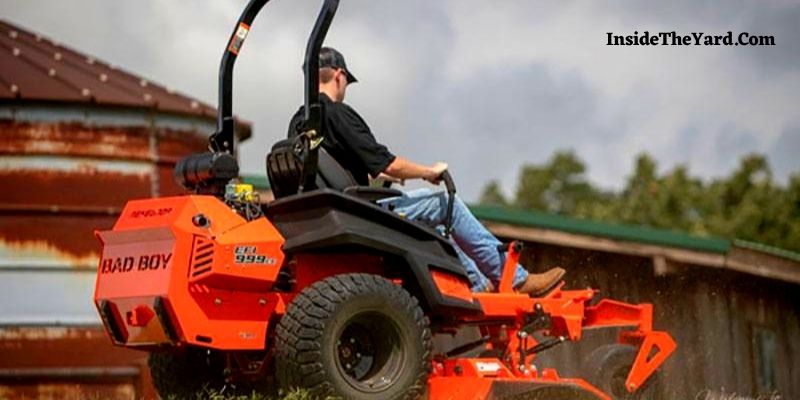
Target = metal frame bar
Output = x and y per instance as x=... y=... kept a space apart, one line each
x=312 y=129
x=311 y=65
x=222 y=140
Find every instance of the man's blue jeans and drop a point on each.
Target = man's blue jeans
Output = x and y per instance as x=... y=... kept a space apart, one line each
x=475 y=245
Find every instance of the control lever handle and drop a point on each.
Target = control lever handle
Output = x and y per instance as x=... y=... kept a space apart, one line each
x=450 y=186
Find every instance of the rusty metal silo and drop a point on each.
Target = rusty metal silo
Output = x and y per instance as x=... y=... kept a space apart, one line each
x=78 y=137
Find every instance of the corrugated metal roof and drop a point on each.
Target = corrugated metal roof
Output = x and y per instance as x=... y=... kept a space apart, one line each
x=593 y=228
x=34 y=68
x=637 y=234
x=775 y=251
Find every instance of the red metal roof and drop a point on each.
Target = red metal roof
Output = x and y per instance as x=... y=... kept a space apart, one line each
x=34 y=68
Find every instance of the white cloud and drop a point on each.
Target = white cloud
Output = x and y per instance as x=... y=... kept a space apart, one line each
x=418 y=61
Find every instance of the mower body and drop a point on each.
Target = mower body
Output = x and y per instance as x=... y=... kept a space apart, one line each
x=190 y=271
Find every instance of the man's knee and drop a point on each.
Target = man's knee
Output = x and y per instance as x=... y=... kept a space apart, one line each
x=421 y=192
x=442 y=199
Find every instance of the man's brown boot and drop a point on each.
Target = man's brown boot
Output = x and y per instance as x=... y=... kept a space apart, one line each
x=539 y=284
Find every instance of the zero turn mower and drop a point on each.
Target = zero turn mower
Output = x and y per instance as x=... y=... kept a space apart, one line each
x=323 y=289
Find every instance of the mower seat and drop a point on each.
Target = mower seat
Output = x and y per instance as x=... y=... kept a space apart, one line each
x=284 y=169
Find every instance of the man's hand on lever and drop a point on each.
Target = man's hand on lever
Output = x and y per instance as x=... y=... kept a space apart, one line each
x=434 y=175
x=402 y=169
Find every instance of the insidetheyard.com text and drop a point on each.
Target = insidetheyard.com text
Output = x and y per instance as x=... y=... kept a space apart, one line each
x=694 y=39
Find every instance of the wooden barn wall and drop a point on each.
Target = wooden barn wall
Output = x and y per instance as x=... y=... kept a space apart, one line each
x=712 y=314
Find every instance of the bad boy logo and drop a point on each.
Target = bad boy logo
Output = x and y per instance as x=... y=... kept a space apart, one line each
x=147 y=262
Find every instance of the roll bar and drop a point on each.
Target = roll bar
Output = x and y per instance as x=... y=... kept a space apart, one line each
x=312 y=129
x=223 y=139
x=311 y=65
x=216 y=168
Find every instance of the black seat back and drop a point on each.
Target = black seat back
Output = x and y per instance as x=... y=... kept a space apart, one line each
x=332 y=173
x=285 y=170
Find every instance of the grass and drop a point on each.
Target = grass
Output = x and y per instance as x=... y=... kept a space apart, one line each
x=217 y=395
x=211 y=394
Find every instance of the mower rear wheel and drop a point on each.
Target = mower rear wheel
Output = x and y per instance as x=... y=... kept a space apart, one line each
x=354 y=336
x=187 y=373
x=607 y=369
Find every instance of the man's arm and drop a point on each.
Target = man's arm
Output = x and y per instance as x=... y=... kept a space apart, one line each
x=402 y=168
x=391 y=179
x=375 y=156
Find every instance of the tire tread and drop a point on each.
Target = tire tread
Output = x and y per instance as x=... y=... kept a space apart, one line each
x=299 y=332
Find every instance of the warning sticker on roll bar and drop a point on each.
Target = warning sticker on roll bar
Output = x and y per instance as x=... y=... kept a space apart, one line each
x=238 y=38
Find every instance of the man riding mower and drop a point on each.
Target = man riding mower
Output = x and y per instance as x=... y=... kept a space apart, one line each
x=350 y=142
x=326 y=289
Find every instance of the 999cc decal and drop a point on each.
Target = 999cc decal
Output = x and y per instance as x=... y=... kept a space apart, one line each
x=249 y=255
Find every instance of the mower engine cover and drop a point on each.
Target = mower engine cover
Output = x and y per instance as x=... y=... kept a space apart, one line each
x=188 y=270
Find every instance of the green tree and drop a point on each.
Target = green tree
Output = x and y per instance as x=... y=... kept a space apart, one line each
x=670 y=201
x=492 y=195
x=637 y=204
x=793 y=192
x=559 y=186
x=678 y=201
x=533 y=183
x=747 y=204
x=792 y=240
x=753 y=173
x=751 y=206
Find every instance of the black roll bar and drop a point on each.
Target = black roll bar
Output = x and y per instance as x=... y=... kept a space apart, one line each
x=311 y=64
x=223 y=139
x=312 y=128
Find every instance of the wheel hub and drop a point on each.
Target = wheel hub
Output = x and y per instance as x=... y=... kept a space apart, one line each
x=367 y=352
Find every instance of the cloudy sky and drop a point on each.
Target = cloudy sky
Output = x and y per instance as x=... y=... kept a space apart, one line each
x=483 y=85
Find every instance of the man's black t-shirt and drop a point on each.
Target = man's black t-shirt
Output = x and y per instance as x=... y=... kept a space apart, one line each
x=349 y=140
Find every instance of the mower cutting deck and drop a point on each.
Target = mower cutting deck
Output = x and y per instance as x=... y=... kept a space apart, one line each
x=326 y=290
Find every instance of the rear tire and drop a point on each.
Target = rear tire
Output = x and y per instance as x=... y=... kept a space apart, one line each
x=185 y=374
x=607 y=369
x=354 y=336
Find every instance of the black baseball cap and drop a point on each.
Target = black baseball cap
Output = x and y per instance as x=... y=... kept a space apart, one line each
x=329 y=57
